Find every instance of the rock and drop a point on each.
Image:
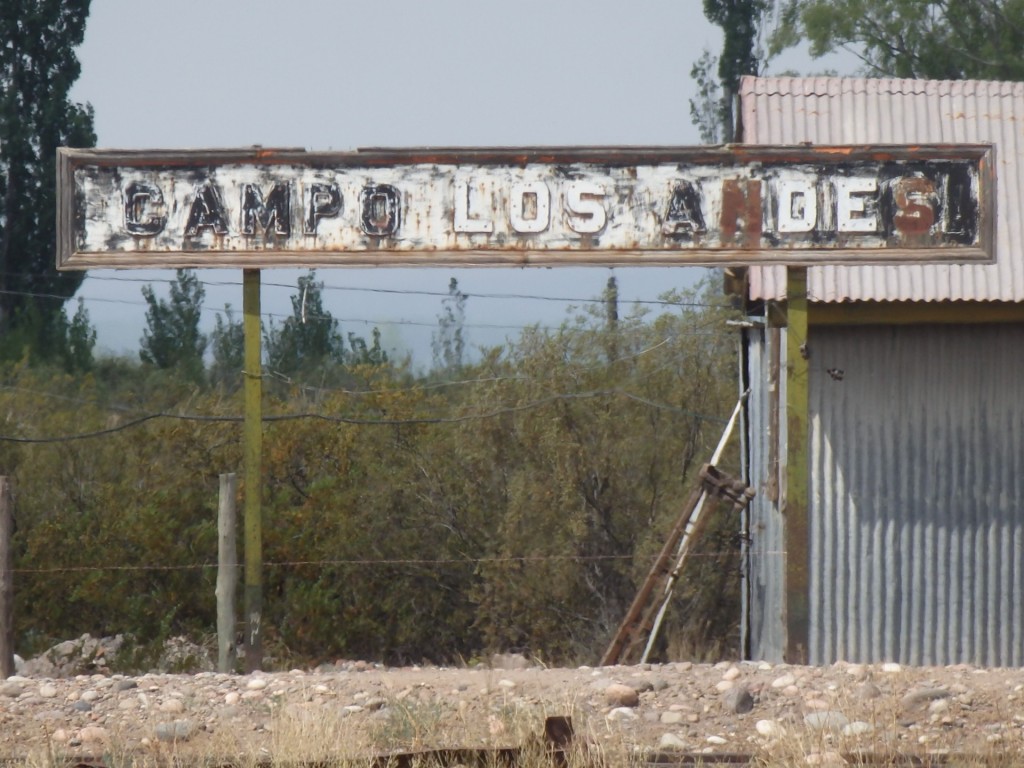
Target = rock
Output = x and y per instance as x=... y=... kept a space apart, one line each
x=231 y=698
x=622 y=713
x=857 y=728
x=11 y=690
x=724 y=685
x=866 y=692
x=923 y=696
x=671 y=718
x=784 y=681
x=90 y=695
x=172 y=707
x=669 y=741
x=508 y=685
x=256 y=684
x=830 y=720
x=731 y=673
x=717 y=740
x=82 y=706
x=619 y=695
x=769 y=729
x=178 y=730
x=891 y=667
x=48 y=691
x=738 y=700
x=125 y=685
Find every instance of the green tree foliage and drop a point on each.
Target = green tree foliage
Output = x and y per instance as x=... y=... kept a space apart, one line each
x=172 y=339
x=449 y=340
x=38 y=67
x=940 y=39
x=741 y=22
x=517 y=507
x=227 y=343
x=309 y=340
x=79 y=339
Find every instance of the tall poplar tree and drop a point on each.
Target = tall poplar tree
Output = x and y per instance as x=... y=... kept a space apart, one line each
x=718 y=77
x=38 y=67
x=171 y=338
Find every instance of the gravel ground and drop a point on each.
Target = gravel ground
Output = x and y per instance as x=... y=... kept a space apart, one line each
x=816 y=713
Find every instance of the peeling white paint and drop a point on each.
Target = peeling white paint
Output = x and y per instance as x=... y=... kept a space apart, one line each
x=418 y=212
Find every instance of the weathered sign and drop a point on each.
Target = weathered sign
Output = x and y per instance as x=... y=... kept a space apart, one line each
x=714 y=206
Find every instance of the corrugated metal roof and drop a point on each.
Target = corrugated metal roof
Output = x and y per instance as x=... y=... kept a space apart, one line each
x=830 y=110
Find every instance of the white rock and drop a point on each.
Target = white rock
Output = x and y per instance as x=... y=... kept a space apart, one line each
x=784 y=681
x=172 y=706
x=891 y=667
x=89 y=695
x=830 y=720
x=231 y=698
x=724 y=685
x=256 y=684
x=622 y=713
x=506 y=684
x=671 y=741
x=716 y=740
x=672 y=718
x=857 y=727
x=48 y=690
x=769 y=729
x=731 y=673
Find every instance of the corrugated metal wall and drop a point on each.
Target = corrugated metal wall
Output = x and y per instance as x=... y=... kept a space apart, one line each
x=765 y=563
x=916 y=495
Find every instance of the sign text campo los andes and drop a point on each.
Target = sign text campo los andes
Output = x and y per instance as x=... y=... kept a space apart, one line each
x=717 y=206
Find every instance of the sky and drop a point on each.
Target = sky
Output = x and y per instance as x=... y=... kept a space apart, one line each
x=340 y=75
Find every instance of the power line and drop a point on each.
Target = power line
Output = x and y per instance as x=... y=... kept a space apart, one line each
x=353 y=421
x=412 y=292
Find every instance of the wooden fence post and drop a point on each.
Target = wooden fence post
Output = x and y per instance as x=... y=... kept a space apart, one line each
x=6 y=581
x=227 y=572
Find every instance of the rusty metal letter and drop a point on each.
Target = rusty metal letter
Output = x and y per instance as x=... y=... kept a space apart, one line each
x=464 y=220
x=324 y=202
x=275 y=209
x=144 y=212
x=915 y=205
x=741 y=212
x=797 y=205
x=529 y=207
x=857 y=204
x=684 y=217
x=382 y=210
x=207 y=210
x=584 y=203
